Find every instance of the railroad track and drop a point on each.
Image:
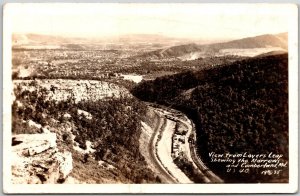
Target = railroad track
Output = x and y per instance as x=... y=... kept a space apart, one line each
x=152 y=152
x=209 y=175
x=207 y=172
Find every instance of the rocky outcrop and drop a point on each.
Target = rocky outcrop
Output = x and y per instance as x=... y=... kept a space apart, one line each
x=80 y=90
x=36 y=160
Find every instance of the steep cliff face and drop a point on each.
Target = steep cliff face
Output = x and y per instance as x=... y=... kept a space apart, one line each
x=80 y=90
x=36 y=159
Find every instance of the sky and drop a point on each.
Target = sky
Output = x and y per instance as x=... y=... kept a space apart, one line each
x=198 y=21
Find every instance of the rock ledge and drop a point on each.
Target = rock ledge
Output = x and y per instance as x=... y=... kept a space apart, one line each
x=36 y=160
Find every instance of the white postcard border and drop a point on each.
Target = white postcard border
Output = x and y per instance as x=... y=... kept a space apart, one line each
x=290 y=187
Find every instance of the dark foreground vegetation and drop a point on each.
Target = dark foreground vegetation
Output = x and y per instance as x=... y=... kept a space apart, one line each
x=238 y=107
x=113 y=130
x=187 y=167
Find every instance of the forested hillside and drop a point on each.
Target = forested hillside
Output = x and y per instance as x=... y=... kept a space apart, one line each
x=111 y=126
x=239 y=107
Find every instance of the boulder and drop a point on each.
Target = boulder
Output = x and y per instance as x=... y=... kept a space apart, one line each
x=31 y=144
x=36 y=160
x=34 y=124
x=66 y=164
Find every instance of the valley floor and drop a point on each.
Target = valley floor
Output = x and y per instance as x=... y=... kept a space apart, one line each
x=159 y=153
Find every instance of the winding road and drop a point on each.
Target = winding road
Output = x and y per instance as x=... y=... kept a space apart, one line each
x=153 y=153
x=160 y=143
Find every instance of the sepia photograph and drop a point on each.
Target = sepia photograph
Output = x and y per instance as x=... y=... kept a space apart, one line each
x=150 y=98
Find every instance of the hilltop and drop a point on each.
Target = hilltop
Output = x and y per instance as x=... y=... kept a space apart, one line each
x=268 y=42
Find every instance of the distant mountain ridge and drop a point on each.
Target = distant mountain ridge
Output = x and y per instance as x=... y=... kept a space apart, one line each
x=24 y=39
x=30 y=39
x=256 y=42
x=279 y=41
x=158 y=46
